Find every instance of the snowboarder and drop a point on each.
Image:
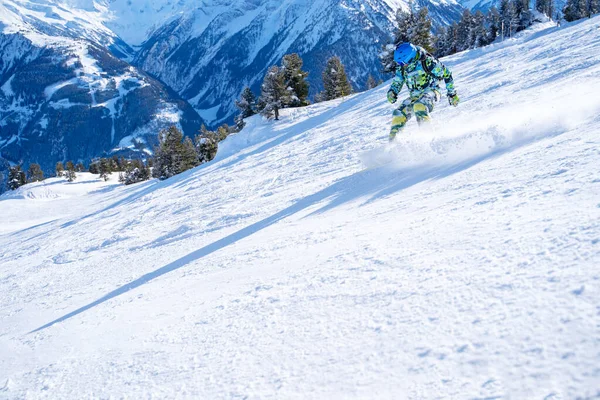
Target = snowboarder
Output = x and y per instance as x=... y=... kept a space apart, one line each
x=421 y=72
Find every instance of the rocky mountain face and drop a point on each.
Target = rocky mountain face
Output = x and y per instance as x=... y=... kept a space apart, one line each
x=82 y=78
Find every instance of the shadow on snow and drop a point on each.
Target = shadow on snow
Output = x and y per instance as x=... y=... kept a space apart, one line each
x=374 y=184
x=371 y=184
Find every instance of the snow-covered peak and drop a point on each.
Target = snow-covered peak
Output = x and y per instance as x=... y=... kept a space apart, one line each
x=46 y=19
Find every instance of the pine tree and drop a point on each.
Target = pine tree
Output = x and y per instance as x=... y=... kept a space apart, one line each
x=452 y=40
x=576 y=9
x=335 y=81
x=134 y=171
x=70 y=174
x=174 y=154
x=80 y=167
x=551 y=9
x=479 y=35
x=295 y=81
x=247 y=106
x=542 y=6
x=206 y=144
x=522 y=14
x=422 y=31
x=35 y=173
x=440 y=42
x=273 y=93
x=94 y=167
x=593 y=7
x=60 y=168
x=104 y=168
x=569 y=11
x=494 y=22
x=405 y=23
x=412 y=28
x=189 y=158
x=146 y=172
x=222 y=132
x=405 y=26
x=464 y=31
x=371 y=82
x=508 y=18
x=16 y=178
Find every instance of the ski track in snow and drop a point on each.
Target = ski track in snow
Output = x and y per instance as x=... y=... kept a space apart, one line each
x=311 y=260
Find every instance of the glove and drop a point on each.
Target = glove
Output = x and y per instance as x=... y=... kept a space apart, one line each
x=453 y=99
x=392 y=96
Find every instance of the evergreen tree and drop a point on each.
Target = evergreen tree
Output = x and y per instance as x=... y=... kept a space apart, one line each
x=206 y=144
x=335 y=81
x=410 y=27
x=494 y=22
x=464 y=31
x=60 y=168
x=35 y=173
x=16 y=177
x=508 y=18
x=405 y=26
x=421 y=33
x=295 y=81
x=174 y=154
x=371 y=82
x=70 y=174
x=576 y=9
x=273 y=93
x=247 y=106
x=104 y=168
x=522 y=14
x=593 y=7
x=440 y=42
x=453 y=38
x=405 y=23
x=545 y=7
x=134 y=171
x=552 y=9
x=222 y=132
x=94 y=167
x=80 y=167
x=189 y=158
x=479 y=34
x=114 y=163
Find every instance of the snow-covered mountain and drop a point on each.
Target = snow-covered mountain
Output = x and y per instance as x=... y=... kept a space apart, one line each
x=67 y=91
x=467 y=267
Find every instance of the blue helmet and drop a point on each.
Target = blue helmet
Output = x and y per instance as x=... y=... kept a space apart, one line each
x=404 y=53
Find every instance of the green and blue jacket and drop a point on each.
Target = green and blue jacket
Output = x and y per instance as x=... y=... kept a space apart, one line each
x=422 y=75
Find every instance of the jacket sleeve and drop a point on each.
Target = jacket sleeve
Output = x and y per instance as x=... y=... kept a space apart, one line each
x=440 y=71
x=397 y=82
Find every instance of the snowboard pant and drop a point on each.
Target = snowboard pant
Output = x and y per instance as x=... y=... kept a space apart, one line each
x=421 y=104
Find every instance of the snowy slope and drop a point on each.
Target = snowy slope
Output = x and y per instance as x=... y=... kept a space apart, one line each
x=466 y=268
